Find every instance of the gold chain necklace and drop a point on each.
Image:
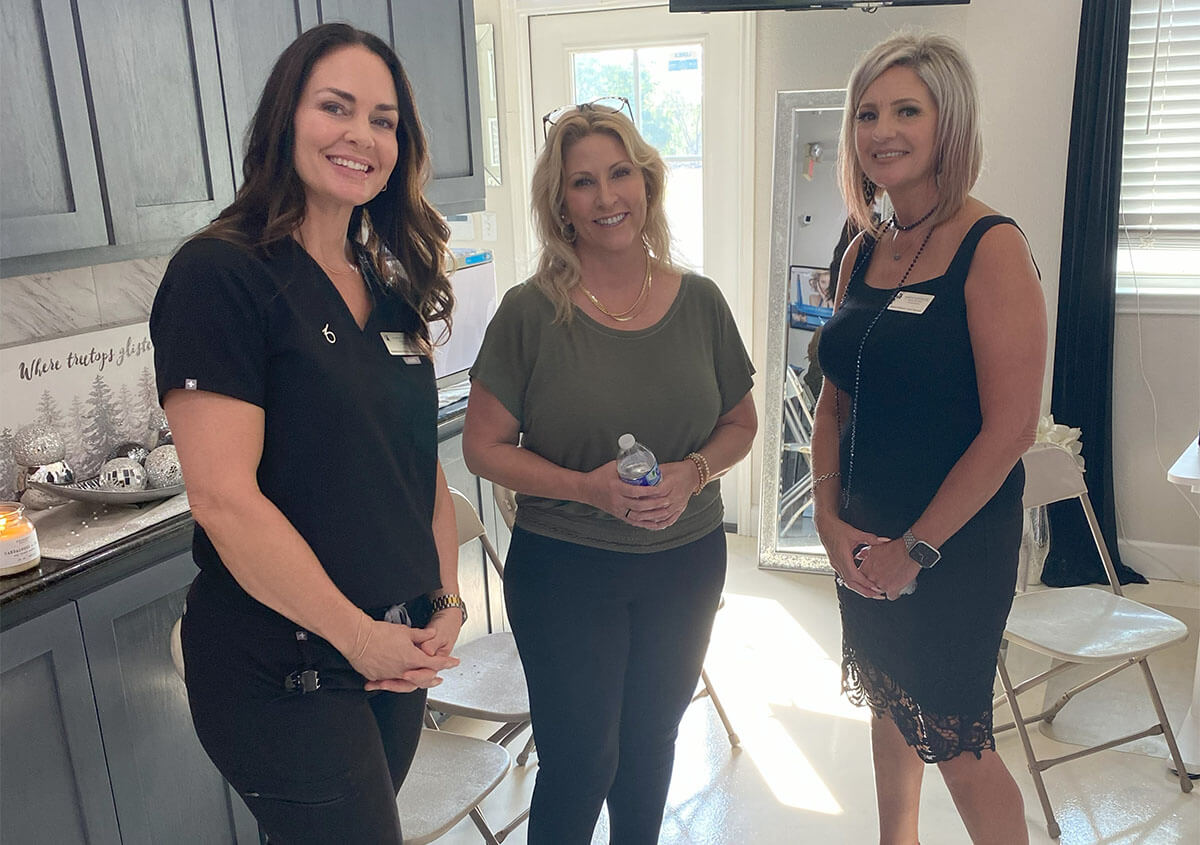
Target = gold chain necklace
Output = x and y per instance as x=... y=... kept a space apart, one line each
x=351 y=266
x=633 y=310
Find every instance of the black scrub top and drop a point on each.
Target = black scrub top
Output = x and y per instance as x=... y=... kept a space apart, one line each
x=350 y=441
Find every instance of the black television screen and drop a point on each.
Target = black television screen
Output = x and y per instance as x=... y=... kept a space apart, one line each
x=798 y=5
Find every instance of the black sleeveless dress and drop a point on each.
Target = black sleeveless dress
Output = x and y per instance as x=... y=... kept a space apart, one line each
x=928 y=660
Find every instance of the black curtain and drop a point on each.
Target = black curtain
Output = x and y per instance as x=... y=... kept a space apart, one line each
x=1083 y=349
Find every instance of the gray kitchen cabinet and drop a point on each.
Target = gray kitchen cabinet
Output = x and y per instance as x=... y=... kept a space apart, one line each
x=164 y=787
x=159 y=116
x=50 y=195
x=435 y=40
x=251 y=34
x=55 y=784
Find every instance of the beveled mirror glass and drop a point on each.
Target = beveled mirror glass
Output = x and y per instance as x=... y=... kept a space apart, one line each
x=807 y=216
x=489 y=106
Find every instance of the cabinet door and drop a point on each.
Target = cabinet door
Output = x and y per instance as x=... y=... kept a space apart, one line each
x=435 y=40
x=164 y=786
x=159 y=115
x=50 y=193
x=53 y=780
x=251 y=34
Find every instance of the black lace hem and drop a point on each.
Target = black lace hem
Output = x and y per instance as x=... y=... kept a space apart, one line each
x=935 y=737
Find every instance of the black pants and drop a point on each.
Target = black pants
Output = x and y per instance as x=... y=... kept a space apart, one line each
x=314 y=767
x=612 y=645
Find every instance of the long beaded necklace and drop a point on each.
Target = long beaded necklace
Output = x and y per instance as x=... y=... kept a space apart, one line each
x=633 y=310
x=858 y=361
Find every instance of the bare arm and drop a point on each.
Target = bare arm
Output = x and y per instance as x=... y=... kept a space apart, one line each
x=490 y=446
x=837 y=536
x=1006 y=317
x=219 y=440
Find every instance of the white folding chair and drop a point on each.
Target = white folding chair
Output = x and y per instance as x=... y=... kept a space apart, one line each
x=1081 y=625
x=489 y=682
x=449 y=776
x=506 y=503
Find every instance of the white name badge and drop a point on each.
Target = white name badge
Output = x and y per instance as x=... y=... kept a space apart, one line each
x=910 y=302
x=398 y=343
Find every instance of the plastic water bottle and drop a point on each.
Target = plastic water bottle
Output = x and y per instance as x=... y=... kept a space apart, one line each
x=635 y=463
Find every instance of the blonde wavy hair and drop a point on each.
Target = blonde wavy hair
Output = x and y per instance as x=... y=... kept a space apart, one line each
x=558 y=270
x=939 y=62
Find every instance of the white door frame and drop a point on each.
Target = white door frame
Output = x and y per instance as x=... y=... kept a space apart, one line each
x=515 y=28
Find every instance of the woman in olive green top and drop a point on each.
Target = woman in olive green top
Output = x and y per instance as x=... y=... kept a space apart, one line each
x=611 y=587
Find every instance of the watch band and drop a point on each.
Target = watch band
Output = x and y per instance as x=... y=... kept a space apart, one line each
x=447 y=601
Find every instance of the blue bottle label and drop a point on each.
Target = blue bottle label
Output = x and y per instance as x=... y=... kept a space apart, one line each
x=649 y=479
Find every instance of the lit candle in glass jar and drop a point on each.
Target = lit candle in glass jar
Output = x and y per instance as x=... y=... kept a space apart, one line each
x=19 y=549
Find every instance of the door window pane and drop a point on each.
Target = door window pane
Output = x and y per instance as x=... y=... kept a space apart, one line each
x=665 y=87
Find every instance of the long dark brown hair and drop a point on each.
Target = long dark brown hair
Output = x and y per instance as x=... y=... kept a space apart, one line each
x=400 y=222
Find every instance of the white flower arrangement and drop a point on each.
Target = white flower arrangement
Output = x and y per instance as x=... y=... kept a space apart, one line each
x=1064 y=437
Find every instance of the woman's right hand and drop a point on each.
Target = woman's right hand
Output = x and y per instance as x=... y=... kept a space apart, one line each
x=605 y=490
x=393 y=659
x=840 y=540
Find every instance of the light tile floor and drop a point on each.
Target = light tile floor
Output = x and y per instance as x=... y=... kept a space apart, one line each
x=803 y=771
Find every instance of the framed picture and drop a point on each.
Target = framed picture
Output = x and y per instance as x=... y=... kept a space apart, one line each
x=810 y=298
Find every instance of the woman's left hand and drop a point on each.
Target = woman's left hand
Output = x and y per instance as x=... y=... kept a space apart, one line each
x=889 y=566
x=446 y=625
x=670 y=498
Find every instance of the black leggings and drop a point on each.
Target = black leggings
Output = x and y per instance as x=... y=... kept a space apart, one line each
x=314 y=767
x=612 y=645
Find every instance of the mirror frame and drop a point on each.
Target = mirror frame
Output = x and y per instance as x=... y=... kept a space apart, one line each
x=787 y=105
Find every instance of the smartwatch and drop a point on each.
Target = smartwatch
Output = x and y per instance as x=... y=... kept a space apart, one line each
x=923 y=554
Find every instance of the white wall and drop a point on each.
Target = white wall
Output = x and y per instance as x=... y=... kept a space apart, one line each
x=1156 y=413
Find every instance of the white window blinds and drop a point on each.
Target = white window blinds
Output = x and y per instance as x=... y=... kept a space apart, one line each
x=1160 y=171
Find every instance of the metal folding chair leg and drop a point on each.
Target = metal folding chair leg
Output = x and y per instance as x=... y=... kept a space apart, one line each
x=1031 y=760
x=1185 y=783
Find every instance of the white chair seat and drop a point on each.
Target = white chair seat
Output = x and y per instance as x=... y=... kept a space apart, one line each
x=450 y=775
x=1087 y=625
x=488 y=684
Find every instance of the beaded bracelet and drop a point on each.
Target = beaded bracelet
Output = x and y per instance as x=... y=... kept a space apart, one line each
x=825 y=477
x=701 y=463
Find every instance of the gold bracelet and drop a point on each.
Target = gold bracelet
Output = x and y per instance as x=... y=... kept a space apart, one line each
x=701 y=463
x=825 y=477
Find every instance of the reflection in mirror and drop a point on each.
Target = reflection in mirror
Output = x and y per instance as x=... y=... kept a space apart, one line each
x=807 y=218
x=485 y=54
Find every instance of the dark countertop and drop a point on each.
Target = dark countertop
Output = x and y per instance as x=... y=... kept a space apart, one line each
x=56 y=582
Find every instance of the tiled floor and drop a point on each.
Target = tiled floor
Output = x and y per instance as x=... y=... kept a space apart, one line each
x=803 y=771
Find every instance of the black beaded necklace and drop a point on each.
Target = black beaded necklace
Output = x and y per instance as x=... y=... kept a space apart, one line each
x=849 y=477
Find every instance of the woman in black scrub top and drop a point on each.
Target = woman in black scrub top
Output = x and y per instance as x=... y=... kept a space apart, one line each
x=292 y=341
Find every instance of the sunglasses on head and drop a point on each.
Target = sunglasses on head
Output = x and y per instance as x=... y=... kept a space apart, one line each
x=610 y=105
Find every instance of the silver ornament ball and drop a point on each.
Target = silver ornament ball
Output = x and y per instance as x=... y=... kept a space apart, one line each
x=36 y=445
x=162 y=467
x=129 y=450
x=122 y=474
x=158 y=430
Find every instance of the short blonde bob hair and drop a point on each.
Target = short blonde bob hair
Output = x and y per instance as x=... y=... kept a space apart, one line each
x=939 y=62
x=558 y=266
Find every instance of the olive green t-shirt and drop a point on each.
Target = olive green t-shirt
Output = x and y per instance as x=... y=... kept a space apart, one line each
x=574 y=389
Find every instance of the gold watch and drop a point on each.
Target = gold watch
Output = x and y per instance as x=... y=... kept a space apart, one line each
x=447 y=601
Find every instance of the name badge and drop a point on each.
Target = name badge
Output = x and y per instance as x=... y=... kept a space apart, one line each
x=910 y=302
x=398 y=343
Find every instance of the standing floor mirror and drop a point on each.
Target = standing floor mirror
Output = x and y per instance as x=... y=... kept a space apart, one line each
x=807 y=217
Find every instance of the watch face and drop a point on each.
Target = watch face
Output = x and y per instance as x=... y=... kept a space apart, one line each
x=924 y=554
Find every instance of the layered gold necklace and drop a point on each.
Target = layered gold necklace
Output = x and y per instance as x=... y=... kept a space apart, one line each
x=633 y=310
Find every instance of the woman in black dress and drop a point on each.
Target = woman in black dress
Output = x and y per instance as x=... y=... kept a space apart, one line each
x=933 y=363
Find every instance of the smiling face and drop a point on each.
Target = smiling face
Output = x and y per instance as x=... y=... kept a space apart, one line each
x=895 y=131
x=604 y=194
x=345 y=127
